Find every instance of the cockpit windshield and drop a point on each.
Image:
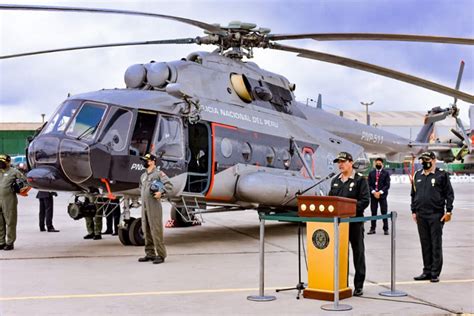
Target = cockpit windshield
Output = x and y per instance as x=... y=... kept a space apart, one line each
x=58 y=123
x=86 y=122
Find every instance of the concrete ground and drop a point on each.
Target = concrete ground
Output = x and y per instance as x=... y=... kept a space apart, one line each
x=211 y=269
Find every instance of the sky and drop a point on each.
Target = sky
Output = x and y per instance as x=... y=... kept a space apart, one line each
x=31 y=86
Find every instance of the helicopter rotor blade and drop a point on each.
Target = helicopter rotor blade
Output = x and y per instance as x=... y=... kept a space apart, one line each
x=373 y=37
x=170 y=41
x=356 y=64
x=458 y=81
x=208 y=27
x=466 y=139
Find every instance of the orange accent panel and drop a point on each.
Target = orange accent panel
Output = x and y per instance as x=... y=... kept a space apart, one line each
x=110 y=195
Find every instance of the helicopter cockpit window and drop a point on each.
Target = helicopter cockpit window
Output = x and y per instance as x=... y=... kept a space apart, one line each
x=86 y=122
x=60 y=119
x=170 y=138
x=117 y=129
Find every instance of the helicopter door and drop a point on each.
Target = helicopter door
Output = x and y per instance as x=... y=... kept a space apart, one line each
x=198 y=158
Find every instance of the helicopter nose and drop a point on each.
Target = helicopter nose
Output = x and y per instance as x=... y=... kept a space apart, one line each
x=49 y=178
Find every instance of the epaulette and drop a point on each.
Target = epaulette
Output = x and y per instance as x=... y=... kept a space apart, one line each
x=441 y=169
x=360 y=174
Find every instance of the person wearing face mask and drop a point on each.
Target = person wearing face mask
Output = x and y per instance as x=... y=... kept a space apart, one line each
x=8 y=202
x=432 y=199
x=353 y=185
x=152 y=212
x=379 y=184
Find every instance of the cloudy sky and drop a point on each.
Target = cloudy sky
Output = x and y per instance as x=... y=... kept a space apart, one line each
x=30 y=86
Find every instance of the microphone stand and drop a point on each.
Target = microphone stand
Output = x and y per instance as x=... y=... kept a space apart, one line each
x=300 y=285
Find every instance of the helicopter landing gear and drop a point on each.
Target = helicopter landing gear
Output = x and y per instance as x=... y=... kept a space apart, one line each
x=123 y=232
x=135 y=233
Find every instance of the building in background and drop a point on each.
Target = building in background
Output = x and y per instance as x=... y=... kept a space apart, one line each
x=13 y=137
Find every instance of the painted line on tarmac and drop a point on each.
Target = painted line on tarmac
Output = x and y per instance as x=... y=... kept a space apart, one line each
x=181 y=292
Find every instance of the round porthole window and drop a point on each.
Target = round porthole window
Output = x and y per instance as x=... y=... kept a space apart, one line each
x=226 y=147
x=246 y=152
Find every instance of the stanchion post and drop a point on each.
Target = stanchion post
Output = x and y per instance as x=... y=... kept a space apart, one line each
x=261 y=296
x=336 y=306
x=393 y=292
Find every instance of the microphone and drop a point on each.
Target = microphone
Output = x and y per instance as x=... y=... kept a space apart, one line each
x=332 y=174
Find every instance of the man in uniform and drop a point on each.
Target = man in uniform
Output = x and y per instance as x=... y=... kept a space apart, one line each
x=379 y=183
x=46 y=206
x=94 y=225
x=431 y=195
x=8 y=202
x=152 y=212
x=353 y=185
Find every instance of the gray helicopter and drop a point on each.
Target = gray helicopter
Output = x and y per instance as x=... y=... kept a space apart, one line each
x=230 y=135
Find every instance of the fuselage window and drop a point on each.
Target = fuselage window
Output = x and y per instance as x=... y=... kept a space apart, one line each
x=170 y=138
x=142 y=133
x=270 y=157
x=226 y=147
x=59 y=121
x=116 y=132
x=247 y=152
x=86 y=122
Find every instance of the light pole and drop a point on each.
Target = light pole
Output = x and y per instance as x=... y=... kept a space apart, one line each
x=367 y=110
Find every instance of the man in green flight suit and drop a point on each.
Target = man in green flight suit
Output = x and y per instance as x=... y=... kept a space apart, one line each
x=8 y=202
x=152 y=211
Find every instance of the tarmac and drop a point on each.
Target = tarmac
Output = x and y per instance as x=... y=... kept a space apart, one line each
x=211 y=269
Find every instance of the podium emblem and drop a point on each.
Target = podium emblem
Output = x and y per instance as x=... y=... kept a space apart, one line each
x=320 y=239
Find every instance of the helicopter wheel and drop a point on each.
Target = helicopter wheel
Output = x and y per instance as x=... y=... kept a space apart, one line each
x=123 y=233
x=135 y=233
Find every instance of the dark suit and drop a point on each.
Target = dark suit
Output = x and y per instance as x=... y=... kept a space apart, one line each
x=382 y=186
x=46 y=209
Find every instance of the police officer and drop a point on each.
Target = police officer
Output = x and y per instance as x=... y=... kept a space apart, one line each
x=46 y=205
x=431 y=195
x=353 y=185
x=8 y=202
x=152 y=212
x=379 y=184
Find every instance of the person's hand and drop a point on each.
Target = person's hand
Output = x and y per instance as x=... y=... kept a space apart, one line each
x=157 y=195
x=413 y=215
x=446 y=217
x=377 y=195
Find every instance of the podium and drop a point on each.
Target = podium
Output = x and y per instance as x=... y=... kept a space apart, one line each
x=321 y=241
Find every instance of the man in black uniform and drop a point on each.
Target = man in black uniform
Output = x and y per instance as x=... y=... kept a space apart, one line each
x=353 y=185
x=379 y=183
x=46 y=210
x=431 y=194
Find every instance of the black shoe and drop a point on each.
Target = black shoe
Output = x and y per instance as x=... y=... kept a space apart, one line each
x=8 y=247
x=385 y=232
x=158 y=260
x=2 y=246
x=358 y=292
x=53 y=230
x=114 y=234
x=434 y=279
x=371 y=232
x=146 y=258
x=97 y=237
x=107 y=232
x=89 y=236
x=422 y=277
x=42 y=229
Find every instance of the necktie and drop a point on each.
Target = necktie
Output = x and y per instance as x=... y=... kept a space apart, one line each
x=377 y=176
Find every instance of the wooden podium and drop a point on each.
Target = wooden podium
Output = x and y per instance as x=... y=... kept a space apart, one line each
x=320 y=241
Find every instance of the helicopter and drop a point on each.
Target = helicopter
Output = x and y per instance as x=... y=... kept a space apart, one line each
x=230 y=135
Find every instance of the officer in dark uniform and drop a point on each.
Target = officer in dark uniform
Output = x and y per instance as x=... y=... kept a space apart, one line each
x=353 y=185
x=46 y=206
x=379 y=184
x=431 y=195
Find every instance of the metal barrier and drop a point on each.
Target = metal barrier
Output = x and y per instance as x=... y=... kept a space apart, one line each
x=293 y=217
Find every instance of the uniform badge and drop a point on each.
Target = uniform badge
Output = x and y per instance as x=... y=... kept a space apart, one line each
x=335 y=185
x=351 y=186
x=433 y=181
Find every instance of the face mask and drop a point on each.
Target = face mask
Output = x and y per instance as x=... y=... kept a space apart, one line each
x=378 y=167
x=426 y=165
x=3 y=165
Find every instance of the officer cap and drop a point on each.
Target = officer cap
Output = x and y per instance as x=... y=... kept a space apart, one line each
x=148 y=157
x=343 y=156
x=427 y=155
x=5 y=158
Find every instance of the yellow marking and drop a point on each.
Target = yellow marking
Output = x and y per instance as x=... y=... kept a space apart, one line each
x=98 y=295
